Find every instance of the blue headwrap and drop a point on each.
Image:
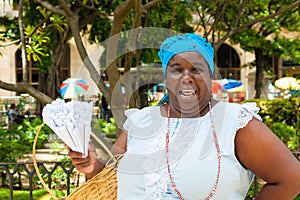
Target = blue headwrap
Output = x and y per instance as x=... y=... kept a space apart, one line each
x=189 y=42
x=186 y=43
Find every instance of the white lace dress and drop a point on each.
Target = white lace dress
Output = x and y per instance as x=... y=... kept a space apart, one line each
x=142 y=173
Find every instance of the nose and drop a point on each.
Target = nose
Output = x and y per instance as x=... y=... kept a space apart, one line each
x=187 y=77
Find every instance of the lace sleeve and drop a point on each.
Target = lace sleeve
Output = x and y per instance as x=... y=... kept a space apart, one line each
x=246 y=113
x=129 y=113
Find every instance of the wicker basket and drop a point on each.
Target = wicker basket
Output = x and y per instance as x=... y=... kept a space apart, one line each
x=103 y=186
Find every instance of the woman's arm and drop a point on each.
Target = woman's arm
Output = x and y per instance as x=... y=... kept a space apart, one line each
x=91 y=165
x=263 y=153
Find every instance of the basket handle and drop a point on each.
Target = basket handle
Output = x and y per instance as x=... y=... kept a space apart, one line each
x=35 y=163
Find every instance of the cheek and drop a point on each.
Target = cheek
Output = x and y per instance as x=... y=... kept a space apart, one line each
x=170 y=84
x=173 y=76
x=171 y=79
x=204 y=83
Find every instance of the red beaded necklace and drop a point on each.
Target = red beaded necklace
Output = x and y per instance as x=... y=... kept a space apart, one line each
x=214 y=189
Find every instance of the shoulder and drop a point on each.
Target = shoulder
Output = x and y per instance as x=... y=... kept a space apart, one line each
x=242 y=114
x=250 y=107
x=140 y=117
x=134 y=112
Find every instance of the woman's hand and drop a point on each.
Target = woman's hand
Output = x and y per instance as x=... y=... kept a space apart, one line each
x=89 y=165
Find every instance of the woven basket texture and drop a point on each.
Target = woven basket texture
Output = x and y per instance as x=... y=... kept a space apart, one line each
x=103 y=186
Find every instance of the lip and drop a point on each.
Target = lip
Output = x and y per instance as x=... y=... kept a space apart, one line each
x=187 y=93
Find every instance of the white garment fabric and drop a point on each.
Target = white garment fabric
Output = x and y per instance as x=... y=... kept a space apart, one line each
x=142 y=173
x=11 y=114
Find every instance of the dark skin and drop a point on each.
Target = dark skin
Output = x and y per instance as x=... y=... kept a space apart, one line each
x=257 y=147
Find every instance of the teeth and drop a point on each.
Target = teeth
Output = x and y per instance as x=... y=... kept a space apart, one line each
x=187 y=93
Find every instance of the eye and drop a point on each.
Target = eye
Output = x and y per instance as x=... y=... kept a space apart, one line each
x=176 y=69
x=197 y=70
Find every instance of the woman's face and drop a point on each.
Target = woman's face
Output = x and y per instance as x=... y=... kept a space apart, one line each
x=188 y=80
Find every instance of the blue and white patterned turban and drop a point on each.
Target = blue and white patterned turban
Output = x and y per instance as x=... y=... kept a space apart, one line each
x=188 y=42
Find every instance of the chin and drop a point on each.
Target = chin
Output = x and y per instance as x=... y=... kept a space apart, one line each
x=188 y=103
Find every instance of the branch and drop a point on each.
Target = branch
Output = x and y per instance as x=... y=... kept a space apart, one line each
x=93 y=8
x=73 y=23
x=152 y=3
x=112 y=43
x=39 y=25
x=133 y=33
x=87 y=19
x=173 y=16
x=235 y=30
x=50 y=7
x=131 y=47
x=218 y=17
x=239 y=13
x=10 y=43
x=65 y=8
x=26 y=88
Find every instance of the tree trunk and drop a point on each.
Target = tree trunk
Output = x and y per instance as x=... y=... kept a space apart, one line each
x=42 y=87
x=262 y=62
x=23 y=44
x=278 y=67
x=54 y=78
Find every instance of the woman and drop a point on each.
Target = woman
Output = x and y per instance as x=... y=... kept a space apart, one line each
x=192 y=147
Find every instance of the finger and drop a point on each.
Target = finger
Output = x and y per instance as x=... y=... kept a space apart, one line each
x=74 y=154
x=79 y=161
x=85 y=164
x=82 y=166
x=67 y=147
x=91 y=147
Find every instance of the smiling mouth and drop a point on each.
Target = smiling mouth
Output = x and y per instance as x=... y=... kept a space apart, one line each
x=187 y=93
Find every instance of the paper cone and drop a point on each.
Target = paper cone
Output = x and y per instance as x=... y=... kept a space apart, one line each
x=65 y=136
x=71 y=122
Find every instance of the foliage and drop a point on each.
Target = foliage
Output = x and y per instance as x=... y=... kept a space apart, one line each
x=102 y=125
x=11 y=31
x=24 y=194
x=153 y=103
x=57 y=147
x=35 y=48
x=252 y=189
x=11 y=147
x=267 y=38
x=14 y=143
x=48 y=31
x=282 y=117
x=29 y=129
x=266 y=35
x=58 y=176
x=160 y=16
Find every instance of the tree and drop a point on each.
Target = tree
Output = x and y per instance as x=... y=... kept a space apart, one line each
x=76 y=18
x=251 y=24
x=71 y=19
x=265 y=39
